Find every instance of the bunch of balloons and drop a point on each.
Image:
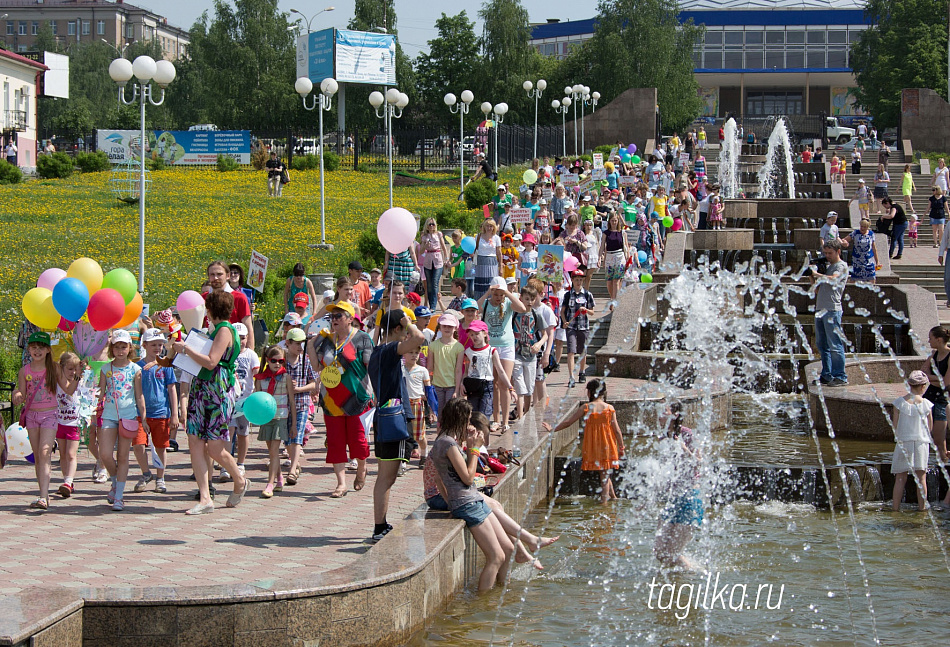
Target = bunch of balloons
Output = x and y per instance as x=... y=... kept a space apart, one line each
x=629 y=154
x=62 y=298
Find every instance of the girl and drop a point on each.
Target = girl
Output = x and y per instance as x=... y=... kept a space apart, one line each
x=71 y=370
x=938 y=214
x=457 y=255
x=843 y=172
x=435 y=255
x=685 y=508
x=907 y=190
x=275 y=380
x=602 y=445
x=614 y=251
x=863 y=196
x=593 y=257
x=835 y=168
x=529 y=258
x=937 y=368
x=912 y=229
x=912 y=422
x=123 y=407
x=881 y=180
x=488 y=257
x=296 y=284
x=716 y=211
x=455 y=474
x=509 y=256
x=898 y=219
x=417 y=381
x=36 y=386
x=477 y=368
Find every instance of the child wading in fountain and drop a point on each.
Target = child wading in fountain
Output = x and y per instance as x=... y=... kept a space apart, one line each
x=685 y=507
x=160 y=388
x=602 y=445
x=912 y=422
x=274 y=379
x=455 y=474
x=71 y=371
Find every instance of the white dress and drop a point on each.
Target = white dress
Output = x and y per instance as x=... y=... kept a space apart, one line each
x=912 y=452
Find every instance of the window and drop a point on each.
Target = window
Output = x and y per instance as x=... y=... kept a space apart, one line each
x=34 y=28
x=21 y=48
x=10 y=28
x=130 y=31
x=22 y=28
x=753 y=38
x=795 y=59
x=754 y=59
x=816 y=37
x=775 y=59
x=733 y=60
x=775 y=37
x=774 y=103
x=837 y=37
x=85 y=27
x=837 y=57
x=855 y=35
x=816 y=58
x=714 y=38
x=796 y=37
x=101 y=27
x=733 y=38
x=713 y=60
x=71 y=28
x=53 y=26
x=697 y=58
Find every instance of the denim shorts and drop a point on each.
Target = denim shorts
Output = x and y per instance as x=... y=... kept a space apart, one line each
x=437 y=503
x=473 y=514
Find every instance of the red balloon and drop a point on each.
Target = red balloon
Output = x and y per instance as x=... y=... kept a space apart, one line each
x=677 y=224
x=66 y=325
x=106 y=307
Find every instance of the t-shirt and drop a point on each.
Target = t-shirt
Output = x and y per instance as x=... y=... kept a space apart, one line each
x=587 y=212
x=119 y=402
x=829 y=294
x=829 y=232
x=415 y=381
x=385 y=373
x=498 y=319
x=486 y=247
x=548 y=316
x=912 y=423
x=362 y=293
x=155 y=382
x=526 y=328
x=442 y=361
x=571 y=309
x=352 y=394
x=480 y=363
x=274 y=167
x=246 y=367
x=242 y=308
x=456 y=492
x=67 y=412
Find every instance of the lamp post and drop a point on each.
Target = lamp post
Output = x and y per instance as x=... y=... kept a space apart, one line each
x=498 y=113
x=394 y=102
x=321 y=102
x=595 y=97
x=536 y=95
x=145 y=69
x=310 y=20
x=462 y=110
x=585 y=101
x=562 y=107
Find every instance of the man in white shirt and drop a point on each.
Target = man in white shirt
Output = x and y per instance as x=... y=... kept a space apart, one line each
x=11 y=151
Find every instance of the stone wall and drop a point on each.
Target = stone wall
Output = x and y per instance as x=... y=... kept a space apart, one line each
x=630 y=118
x=924 y=115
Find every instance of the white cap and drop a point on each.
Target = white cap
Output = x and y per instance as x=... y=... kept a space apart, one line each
x=152 y=334
x=241 y=329
x=121 y=335
x=328 y=294
x=498 y=282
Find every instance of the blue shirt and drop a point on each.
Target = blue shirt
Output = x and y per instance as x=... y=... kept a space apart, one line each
x=155 y=383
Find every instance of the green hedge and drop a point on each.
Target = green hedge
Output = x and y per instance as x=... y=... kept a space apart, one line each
x=57 y=165
x=226 y=164
x=479 y=193
x=310 y=162
x=93 y=162
x=10 y=173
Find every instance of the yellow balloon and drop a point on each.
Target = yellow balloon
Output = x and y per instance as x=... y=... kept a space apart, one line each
x=87 y=271
x=39 y=310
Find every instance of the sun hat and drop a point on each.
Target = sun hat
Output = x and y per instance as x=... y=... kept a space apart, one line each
x=328 y=294
x=153 y=334
x=448 y=320
x=511 y=279
x=917 y=378
x=117 y=336
x=296 y=334
x=422 y=311
x=469 y=304
x=516 y=237
x=528 y=238
x=497 y=282
x=586 y=198
x=342 y=306
x=241 y=329
x=477 y=325
x=40 y=337
x=293 y=319
x=413 y=298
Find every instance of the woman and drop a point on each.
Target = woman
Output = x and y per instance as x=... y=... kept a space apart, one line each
x=864 y=260
x=938 y=214
x=342 y=359
x=560 y=203
x=881 y=180
x=907 y=188
x=236 y=281
x=941 y=178
x=898 y=219
x=487 y=257
x=614 y=252
x=401 y=266
x=593 y=257
x=295 y=285
x=435 y=257
x=211 y=403
x=575 y=241
x=937 y=367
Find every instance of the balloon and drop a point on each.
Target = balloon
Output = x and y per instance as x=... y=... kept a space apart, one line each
x=189 y=299
x=106 y=308
x=132 y=312
x=632 y=148
x=70 y=298
x=396 y=230
x=193 y=318
x=677 y=224
x=667 y=221
x=49 y=278
x=646 y=277
x=625 y=157
x=88 y=341
x=260 y=408
x=642 y=256
x=635 y=159
x=468 y=245
x=122 y=281
x=530 y=176
x=570 y=264
x=38 y=308
x=66 y=325
x=18 y=441
x=87 y=271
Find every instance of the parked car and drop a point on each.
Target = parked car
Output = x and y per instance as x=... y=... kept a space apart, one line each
x=468 y=146
x=869 y=145
x=306 y=147
x=202 y=127
x=890 y=136
x=378 y=145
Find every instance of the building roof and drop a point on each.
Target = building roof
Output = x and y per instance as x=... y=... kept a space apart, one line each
x=13 y=56
x=710 y=5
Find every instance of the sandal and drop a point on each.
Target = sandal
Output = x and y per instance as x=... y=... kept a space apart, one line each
x=292 y=478
x=40 y=504
x=359 y=482
x=339 y=493
x=494 y=427
x=236 y=497
x=201 y=509
x=268 y=491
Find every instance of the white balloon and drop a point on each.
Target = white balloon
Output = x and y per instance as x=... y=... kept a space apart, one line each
x=18 y=441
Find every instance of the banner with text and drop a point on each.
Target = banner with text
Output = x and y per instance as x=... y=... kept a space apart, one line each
x=185 y=147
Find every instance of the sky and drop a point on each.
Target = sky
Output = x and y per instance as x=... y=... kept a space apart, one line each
x=415 y=18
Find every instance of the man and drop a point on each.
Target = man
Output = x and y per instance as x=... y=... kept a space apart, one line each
x=11 y=151
x=274 y=170
x=577 y=304
x=862 y=129
x=484 y=169
x=218 y=280
x=361 y=291
x=829 y=335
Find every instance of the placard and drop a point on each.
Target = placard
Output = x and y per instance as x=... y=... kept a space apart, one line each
x=598 y=160
x=487 y=210
x=520 y=216
x=569 y=180
x=257 y=271
x=550 y=264
x=586 y=184
x=547 y=193
x=599 y=173
x=198 y=342
x=684 y=159
x=628 y=180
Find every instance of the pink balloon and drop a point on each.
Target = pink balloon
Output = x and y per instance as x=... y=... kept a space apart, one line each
x=189 y=299
x=50 y=278
x=570 y=264
x=106 y=308
x=677 y=224
x=396 y=230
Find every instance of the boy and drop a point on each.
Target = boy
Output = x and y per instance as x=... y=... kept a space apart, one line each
x=458 y=293
x=829 y=230
x=529 y=341
x=375 y=285
x=161 y=406
x=304 y=383
x=576 y=306
x=443 y=358
x=248 y=364
x=417 y=380
x=549 y=325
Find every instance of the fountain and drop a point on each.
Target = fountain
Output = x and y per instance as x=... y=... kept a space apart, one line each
x=779 y=167
x=729 y=160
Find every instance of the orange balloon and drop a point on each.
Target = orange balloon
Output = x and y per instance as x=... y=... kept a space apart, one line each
x=132 y=312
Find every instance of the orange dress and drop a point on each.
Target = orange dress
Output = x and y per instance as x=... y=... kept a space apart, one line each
x=599 y=450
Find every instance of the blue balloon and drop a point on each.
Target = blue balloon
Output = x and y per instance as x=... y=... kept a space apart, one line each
x=642 y=256
x=71 y=298
x=468 y=245
x=260 y=408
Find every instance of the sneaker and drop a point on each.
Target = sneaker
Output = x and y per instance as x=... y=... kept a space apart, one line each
x=403 y=468
x=172 y=445
x=382 y=533
x=143 y=482
x=66 y=490
x=118 y=506
x=285 y=463
x=224 y=477
x=838 y=382
x=101 y=476
x=111 y=496
x=160 y=486
x=821 y=381
x=352 y=466
x=241 y=469
x=583 y=379
x=571 y=383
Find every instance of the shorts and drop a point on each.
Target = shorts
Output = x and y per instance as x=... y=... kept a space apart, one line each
x=505 y=353
x=159 y=428
x=240 y=426
x=483 y=402
x=938 y=221
x=65 y=432
x=473 y=514
x=418 y=418
x=686 y=509
x=345 y=432
x=397 y=451
x=276 y=429
x=576 y=341
x=437 y=503
x=939 y=410
x=48 y=419
x=560 y=334
x=523 y=376
x=296 y=436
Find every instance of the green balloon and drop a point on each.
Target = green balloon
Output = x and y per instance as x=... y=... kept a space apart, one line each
x=646 y=277
x=625 y=158
x=122 y=281
x=635 y=159
x=260 y=408
x=667 y=221
x=529 y=176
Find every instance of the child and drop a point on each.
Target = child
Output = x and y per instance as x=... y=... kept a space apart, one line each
x=509 y=256
x=443 y=358
x=529 y=259
x=829 y=230
x=602 y=445
x=457 y=255
x=863 y=196
x=913 y=419
x=530 y=338
x=716 y=210
x=123 y=405
x=248 y=364
x=469 y=313
x=417 y=381
x=835 y=166
x=912 y=229
x=160 y=389
x=304 y=380
x=843 y=172
x=476 y=369
x=458 y=288
x=576 y=307
x=375 y=285
x=455 y=474
x=685 y=509
x=71 y=371
x=275 y=380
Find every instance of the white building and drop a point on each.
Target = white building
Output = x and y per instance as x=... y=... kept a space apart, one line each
x=20 y=77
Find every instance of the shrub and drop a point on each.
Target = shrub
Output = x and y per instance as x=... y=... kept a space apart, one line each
x=93 y=162
x=479 y=193
x=157 y=164
x=370 y=249
x=331 y=161
x=364 y=168
x=451 y=216
x=307 y=162
x=226 y=164
x=10 y=173
x=57 y=165
x=259 y=159
x=605 y=149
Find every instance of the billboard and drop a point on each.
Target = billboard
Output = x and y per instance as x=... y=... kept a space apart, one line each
x=348 y=56
x=177 y=146
x=315 y=55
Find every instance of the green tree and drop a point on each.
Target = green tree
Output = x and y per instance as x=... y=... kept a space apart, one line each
x=905 y=47
x=508 y=59
x=450 y=65
x=640 y=44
